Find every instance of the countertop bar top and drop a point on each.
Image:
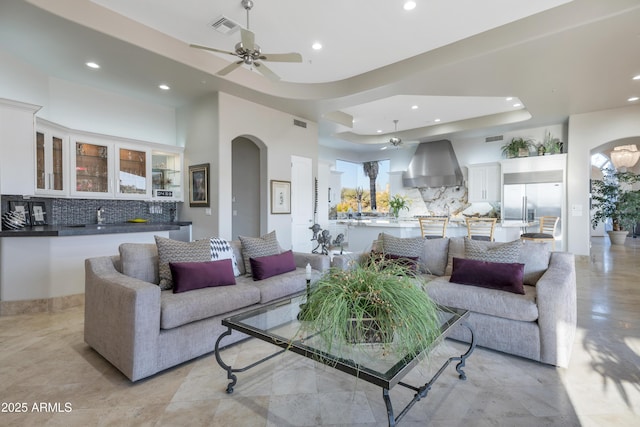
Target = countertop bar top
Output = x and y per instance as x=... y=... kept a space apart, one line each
x=93 y=229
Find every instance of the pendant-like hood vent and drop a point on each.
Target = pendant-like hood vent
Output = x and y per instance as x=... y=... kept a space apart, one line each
x=433 y=165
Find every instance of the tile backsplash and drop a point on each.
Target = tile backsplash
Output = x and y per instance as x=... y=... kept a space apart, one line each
x=83 y=211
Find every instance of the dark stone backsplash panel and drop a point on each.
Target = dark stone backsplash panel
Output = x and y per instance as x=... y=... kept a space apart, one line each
x=83 y=211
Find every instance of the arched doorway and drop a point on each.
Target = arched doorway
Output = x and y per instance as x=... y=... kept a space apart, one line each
x=248 y=177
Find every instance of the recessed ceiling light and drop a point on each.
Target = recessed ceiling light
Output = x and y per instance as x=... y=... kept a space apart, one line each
x=510 y=98
x=164 y=87
x=633 y=99
x=414 y=107
x=316 y=46
x=437 y=120
x=516 y=105
x=379 y=131
x=93 y=65
x=383 y=148
x=636 y=77
x=409 y=5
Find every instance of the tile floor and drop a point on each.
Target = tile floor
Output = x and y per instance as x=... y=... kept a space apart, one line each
x=43 y=360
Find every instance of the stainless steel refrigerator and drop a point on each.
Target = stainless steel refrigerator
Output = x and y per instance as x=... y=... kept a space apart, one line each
x=527 y=197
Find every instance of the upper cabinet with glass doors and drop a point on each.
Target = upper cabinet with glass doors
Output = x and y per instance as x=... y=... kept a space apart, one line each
x=132 y=170
x=92 y=167
x=51 y=160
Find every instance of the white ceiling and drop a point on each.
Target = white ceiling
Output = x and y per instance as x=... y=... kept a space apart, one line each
x=456 y=60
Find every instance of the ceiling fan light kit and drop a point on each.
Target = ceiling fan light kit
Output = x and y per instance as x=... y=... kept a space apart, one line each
x=249 y=52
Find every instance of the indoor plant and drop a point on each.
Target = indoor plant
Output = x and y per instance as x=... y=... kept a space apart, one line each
x=518 y=147
x=379 y=298
x=551 y=144
x=614 y=197
x=396 y=204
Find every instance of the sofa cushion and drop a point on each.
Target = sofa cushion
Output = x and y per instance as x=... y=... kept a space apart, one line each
x=433 y=259
x=456 y=250
x=405 y=246
x=140 y=261
x=186 y=307
x=221 y=249
x=492 y=251
x=176 y=251
x=493 y=275
x=282 y=285
x=255 y=247
x=535 y=256
x=272 y=265
x=491 y=302
x=188 y=276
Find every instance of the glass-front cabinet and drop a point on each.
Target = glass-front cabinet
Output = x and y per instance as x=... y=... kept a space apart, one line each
x=132 y=172
x=166 y=175
x=51 y=160
x=91 y=164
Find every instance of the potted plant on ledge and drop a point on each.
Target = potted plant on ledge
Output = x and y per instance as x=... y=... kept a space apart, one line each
x=378 y=301
x=518 y=147
x=614 y=197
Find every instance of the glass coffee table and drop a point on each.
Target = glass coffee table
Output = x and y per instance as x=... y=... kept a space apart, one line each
x=277 y=324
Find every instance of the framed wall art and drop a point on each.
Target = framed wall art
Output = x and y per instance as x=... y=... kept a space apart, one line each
x=22 y=208
x=280 y=197
x=38 y=213
x=199 y=186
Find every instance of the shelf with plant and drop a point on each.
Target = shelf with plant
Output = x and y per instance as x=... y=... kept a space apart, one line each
x=380 y=299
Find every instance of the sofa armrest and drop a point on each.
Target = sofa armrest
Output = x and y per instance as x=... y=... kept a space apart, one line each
x=122 y=317
x=556 y=299
x=318 y=262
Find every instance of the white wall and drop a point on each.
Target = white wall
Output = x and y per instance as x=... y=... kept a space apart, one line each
x=588 y=131
x=85 y=108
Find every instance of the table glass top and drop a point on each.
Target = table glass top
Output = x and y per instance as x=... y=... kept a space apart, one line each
x=277 y=323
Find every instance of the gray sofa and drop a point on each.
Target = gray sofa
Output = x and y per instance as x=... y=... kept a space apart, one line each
x=538 y=325
x=142 y=330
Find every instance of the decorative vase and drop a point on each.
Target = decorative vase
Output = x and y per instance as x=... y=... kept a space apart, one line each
x=617 y=237
x=13 y=220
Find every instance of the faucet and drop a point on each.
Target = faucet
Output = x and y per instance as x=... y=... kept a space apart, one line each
x=99 y=214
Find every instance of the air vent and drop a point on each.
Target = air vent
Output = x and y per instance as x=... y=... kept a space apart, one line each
x=493 y=138
x=299 y=123
x=224 y=25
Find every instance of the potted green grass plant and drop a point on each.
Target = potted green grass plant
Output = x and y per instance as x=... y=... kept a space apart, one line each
x=379 y=301
x=398 y=203
x=615 y=197
x=551 y=144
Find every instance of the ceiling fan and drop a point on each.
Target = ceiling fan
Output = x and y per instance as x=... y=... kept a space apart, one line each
x=394 y=140
x=249 y=52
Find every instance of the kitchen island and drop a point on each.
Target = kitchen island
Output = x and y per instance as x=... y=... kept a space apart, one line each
x=361 y=233
x=42 y=267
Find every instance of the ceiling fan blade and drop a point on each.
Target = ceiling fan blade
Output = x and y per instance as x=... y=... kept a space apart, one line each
x=266 y=71
x=248 y=39
x=212 y=49
x=281 y=57
x=229 y=68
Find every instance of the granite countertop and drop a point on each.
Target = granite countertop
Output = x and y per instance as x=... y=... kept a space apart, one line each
x=92 y=229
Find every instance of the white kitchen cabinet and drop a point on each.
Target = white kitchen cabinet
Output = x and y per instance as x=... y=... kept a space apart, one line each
x=17 y=146
x=52 y=159
x=166 y=174
x=133 y=171
x=92 y=166
x=484 y=182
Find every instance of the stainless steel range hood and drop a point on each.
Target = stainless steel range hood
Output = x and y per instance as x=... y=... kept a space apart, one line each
x=434 y=164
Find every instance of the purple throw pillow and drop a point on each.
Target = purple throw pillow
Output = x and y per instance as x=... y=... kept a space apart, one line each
x=494 y=275
x=188 y=276
x=271 y=265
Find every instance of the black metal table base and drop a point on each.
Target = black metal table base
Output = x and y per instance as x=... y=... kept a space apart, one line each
x=421 y=392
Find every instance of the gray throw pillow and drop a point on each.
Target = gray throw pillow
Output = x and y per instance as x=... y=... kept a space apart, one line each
x=433 y=259
x=140 y=261
x=492 y=251
x=403 y=246
x=535 y=256
x=176 y=251
x=254 y=247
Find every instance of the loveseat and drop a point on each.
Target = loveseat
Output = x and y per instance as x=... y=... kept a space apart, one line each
x=142 y=329
x=537 y=324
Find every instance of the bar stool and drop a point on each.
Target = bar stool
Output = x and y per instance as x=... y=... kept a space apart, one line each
x=433 y=227
x=481 y=228
x=548 y=225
